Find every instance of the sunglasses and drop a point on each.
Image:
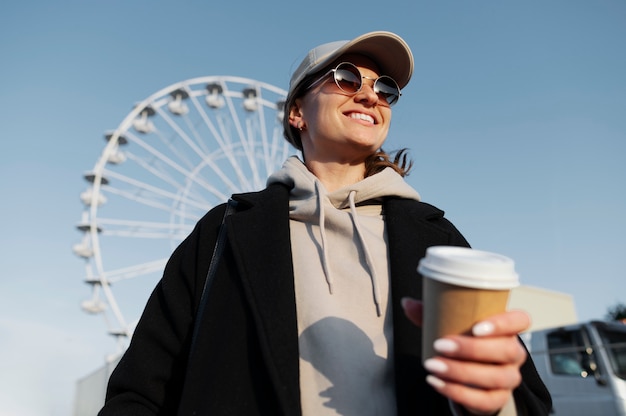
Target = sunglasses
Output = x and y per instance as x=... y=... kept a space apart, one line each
x=349 y=80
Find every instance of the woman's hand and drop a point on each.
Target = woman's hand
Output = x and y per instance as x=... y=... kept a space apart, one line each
x=478 y=372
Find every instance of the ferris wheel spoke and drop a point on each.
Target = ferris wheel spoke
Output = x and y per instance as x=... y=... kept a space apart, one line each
x=243 y=139
x=155 y=167
x=168 y=141
x=143 y=229
x=206 y=120
x=221 y=174
x=225 y=148
x=279 y=149
x=232 y=156
x=194 y=134
x=114 y=307
x=181 y=134
x=159 y=203
x=115 y=276
x=250 y=152
x=141 y=190
x=264 y=140
x=217 y=135
x=187 y=174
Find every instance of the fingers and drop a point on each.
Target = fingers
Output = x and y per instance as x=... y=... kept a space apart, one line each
x=481 y=387
x=413 y=309
x=475 y=375
x=508 y=323
x=479 y=372
x=493 y=350
x=477 y=401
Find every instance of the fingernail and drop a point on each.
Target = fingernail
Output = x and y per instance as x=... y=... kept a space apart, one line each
x=435 y=382
x=482 y=329
x=435 y=366
x=445 y=345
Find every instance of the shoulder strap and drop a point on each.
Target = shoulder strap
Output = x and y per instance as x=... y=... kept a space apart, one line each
x=217 y=253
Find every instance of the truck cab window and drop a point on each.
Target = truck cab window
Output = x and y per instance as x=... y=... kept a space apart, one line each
x=568 y=353
x=615 y=344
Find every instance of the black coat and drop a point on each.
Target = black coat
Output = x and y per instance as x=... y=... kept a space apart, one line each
x=246 y=354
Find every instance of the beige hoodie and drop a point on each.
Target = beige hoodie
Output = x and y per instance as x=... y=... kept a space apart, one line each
x=342 y=291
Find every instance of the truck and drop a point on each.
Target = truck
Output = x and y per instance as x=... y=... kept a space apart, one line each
x=583 y=365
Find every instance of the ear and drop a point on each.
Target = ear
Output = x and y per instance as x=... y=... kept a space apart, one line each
x=295 y=114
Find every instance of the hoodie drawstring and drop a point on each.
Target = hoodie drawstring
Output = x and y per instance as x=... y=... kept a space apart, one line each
x=322 y=220
x=368 y=255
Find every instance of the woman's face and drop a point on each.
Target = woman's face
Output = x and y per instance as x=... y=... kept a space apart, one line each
x=340 y=127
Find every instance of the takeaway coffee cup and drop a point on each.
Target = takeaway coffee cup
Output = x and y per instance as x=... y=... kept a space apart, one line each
x=461 y=286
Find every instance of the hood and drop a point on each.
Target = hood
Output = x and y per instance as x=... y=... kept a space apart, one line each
x=306 y=187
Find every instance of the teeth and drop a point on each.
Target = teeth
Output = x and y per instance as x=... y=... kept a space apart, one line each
x=361 y=116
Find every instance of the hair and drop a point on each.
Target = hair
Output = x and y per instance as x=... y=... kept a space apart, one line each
x=375 y=163
x=380 y=160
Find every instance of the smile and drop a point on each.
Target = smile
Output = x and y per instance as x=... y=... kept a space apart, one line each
x=361 y=116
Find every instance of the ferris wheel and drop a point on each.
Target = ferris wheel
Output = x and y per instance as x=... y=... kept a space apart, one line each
x=178 y=153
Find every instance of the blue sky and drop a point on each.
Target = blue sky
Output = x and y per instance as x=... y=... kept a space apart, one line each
x=515 y=117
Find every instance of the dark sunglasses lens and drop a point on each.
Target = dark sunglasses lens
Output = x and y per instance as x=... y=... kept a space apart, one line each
x=387 y=88
x=348 y=78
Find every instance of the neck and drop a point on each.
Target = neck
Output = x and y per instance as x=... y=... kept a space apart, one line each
x=336 y=175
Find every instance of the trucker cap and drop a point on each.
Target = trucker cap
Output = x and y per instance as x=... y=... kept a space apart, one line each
x=388 y=50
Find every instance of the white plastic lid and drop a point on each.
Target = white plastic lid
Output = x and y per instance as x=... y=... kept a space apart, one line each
x=468 y=267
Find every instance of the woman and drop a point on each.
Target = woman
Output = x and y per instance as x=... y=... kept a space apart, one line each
x=314 y=308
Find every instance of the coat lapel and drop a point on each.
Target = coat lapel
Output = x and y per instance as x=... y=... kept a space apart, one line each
x=407 y=248
x=411 y=229
x=260 y=240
